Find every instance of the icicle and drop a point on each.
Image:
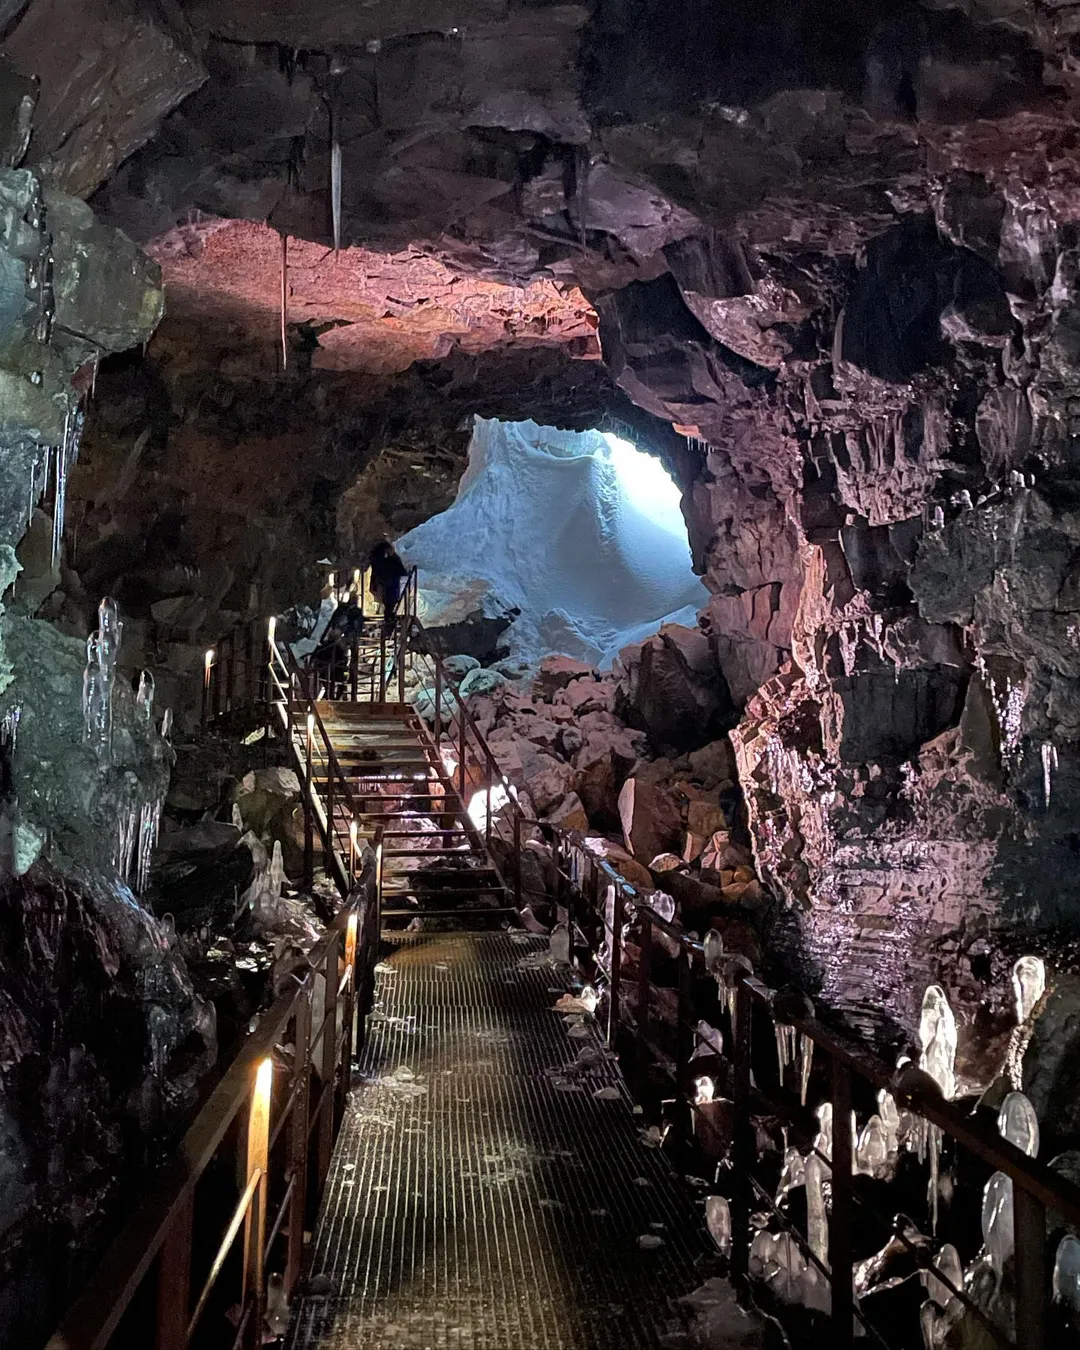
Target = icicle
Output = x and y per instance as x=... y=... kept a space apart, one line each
x=997 y=1220
x=149 y=824
x=718 y=1222
x=284 y=301
x=806 y=1061
x=1067 y=1276
x=785 y=1046
x=144 y=699
x=1049 y=754
x=166 y=723
x=933 y=1144
x=1029 y=985
x=94 y=375
x=127 y=830
x=335 y=185
x=9 y=727
x=714 y=951
x=1018 y=1123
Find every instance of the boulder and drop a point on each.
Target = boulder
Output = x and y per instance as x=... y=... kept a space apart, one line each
x=650 y=820
x=623 y=862
x=460 y=665
x=713 y=764
x=602 y=764
x=586 y=696
x=703 y=821
x=570 y=814
x=542 y=731
x=481 y=681
x=549 y=783
x=556 y=672
x=672 y=690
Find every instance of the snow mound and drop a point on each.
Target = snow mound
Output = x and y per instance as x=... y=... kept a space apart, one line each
x=579 y=531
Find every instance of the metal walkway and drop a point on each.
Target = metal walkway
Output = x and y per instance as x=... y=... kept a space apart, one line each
x=482 y=1196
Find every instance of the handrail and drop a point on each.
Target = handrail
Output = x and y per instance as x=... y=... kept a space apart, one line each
x=161 y=1230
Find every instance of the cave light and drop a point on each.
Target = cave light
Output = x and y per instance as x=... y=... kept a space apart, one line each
x=647 y=485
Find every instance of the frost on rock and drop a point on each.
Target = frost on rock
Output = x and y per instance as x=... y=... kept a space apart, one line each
x=1029 y=985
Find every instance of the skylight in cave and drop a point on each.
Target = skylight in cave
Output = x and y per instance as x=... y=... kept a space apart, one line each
x=580 y=531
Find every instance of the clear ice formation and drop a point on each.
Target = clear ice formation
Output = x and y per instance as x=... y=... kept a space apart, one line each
x=144 y=699
x=166 y=723
x=718 y=1222
x=872 y=1152
x=714 y=952
x=9 y=727
x=1018 y=1123
x=1049 y=755
x=937 y=1036
x=158 y=1021
x=149 y=825
x=662 y=904
x=997 y=1221
x=102 y=650
x=1067 y=1276
x=777 y=1260
x=948 y=1262
x=559 y=944
x=707 y=1041
x=817 y=1223
x=1029 y=985
x=64 y=457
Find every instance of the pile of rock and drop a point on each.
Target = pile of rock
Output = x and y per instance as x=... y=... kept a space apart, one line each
x=669 y=821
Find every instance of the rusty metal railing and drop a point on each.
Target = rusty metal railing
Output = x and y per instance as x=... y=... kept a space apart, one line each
x=604 y=908
x=268 y=1131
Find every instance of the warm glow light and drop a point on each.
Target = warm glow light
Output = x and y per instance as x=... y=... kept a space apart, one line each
x=310 y=725
x=704 y=1088
x=350 y=941
x=356 y=579
x=208 y=662
x=271 y=627
x=353 y=828
x=264 y=1077
x=332 y=581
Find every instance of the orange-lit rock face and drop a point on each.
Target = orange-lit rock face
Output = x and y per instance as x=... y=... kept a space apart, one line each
x=381 y=312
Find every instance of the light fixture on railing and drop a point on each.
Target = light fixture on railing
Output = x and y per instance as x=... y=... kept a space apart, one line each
x=208 y=662
x=264 y=1078
x=350 y=943
x=353 y=828
x=271 y=628
x=310 y=731
x=332 y=581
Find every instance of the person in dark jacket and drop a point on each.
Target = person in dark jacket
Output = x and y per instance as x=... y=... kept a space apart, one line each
x=330 y=659
x=388 y=575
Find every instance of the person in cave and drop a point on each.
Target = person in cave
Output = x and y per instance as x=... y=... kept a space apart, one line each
x=329 y=662
x=388 y=575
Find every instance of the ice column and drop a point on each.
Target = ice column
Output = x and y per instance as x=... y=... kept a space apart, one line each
x=1029 y=985
x=1067 y=1276
x=1018 y=1123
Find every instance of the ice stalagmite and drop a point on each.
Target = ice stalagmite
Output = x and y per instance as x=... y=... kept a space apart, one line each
x=144 y=699
x=806 y=1063
x=559 y=944
x=1018 y=1123
x=707 y=1041
x=1029 y=985
x=714 y=952
x=937 y=1036
x=102 y=649
x=997 y=1220
x=872 y=1150
x=1067 y=1277
x=718 y=1222
x=817 y=1223
x=948 y=1263
x=149 y=824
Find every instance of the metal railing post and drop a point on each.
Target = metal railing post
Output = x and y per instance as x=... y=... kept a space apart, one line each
x=330 y=838
x=401 y=660
x=461 y=753
x=841 y=1218
x=328 y=1061
x=517 y=859
x=743 y=1150
x=174 y=1279
x=230 y=674
x=309 y=809
x=684 y=1038
x=1029 y=1244
x=298 y=1144
x=644 y=977
x=216 y=683
x=354 y=660
x=618 y=912
x=250 y=663
x=438 y=706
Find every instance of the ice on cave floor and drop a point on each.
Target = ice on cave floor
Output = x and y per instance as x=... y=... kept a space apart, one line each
x=718 y=1222
x=605 y=518
x=559 y=945
x=1029 y=985
x=1018 y=1123
x=1067 y=1276
x=997 y=1220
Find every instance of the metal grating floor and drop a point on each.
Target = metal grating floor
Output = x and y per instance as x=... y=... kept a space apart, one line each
x=492 y=1202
